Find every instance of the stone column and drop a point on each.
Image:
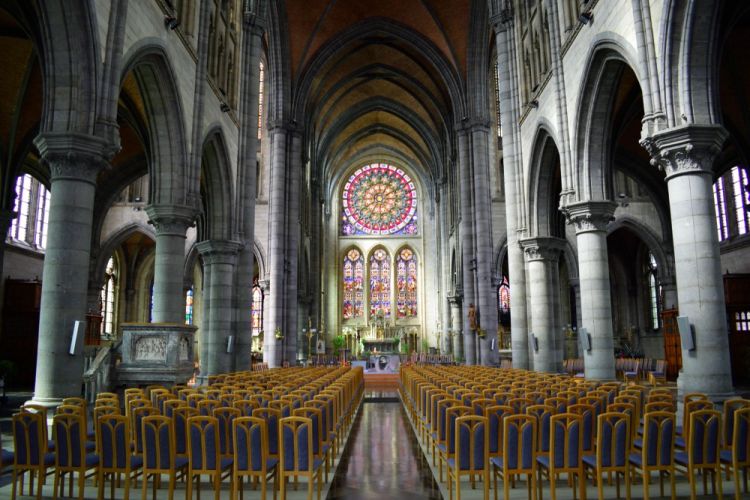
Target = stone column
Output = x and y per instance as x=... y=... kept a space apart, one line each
x=220 y=260
x=487 y=292
x=291 y=253
x=512 y=165
x=468 y=256
x=455 y=325
x=247 y=161
x=686 y=154
x=74 y=161
x=590 y=220
x=171 y=223
x=542 y=256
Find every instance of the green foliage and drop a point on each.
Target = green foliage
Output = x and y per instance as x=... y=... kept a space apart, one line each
x=338 y=342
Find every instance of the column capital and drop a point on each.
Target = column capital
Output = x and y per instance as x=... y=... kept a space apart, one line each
x=501 y=15
x=170 y=219
x=73 y=156
x=546 y=248
x=690 y=149
x=471 y=125
x=455 y=299
x=219 y=251
x=590 y=216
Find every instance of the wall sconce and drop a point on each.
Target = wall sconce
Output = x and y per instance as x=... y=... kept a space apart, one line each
x=171 y=22
x=585 y=17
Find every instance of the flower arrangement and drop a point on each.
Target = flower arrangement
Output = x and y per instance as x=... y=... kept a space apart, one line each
x=278 y=333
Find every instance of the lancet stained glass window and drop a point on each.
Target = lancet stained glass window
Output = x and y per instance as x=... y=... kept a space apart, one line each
x=379 y=199
x=257 y=309
x=406 y=282
x=380 y=284
x=503 y=302
x=354 y=278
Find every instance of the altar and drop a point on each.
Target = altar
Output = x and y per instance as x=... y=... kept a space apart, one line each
x=381 y=346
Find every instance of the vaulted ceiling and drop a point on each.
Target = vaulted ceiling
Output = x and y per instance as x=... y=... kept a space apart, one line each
x=378 y=80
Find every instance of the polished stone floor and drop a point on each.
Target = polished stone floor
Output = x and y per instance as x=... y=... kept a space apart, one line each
x=383 y=459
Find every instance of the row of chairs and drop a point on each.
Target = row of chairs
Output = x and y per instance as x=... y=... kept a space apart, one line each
x=653 y=371
x=156 y=435
x=438 y=397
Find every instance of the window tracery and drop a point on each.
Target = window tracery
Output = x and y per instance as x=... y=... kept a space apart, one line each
x=380 y=284
x=354 y=278
x=406 y=284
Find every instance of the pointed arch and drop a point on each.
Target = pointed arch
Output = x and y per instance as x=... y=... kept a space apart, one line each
x=545 y=182
x=380 y=273
x=353 y=282
x=216 y=186
x=407 y=279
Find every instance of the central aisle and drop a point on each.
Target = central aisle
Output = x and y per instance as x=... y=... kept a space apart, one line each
x=383 y=459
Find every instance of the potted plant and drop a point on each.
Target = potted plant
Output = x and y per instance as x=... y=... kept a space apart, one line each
x=338 y=342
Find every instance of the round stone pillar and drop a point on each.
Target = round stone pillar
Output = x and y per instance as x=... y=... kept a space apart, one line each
x=590 y=220
x=74 y=162
x=220 y=259
x=171 y=223
x=455 y=326
x=686 y=154
x=542 y=257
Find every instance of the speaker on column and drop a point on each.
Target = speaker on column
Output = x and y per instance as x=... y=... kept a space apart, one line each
x=74 y=338
x=533 y=343
x=687 y=335
x=585 y=337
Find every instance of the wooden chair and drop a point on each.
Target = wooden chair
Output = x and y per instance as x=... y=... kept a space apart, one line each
x=180 y=417
x=588 y=424
x=657 y=451
x=226 y=416
x=69 y=434
x=159 y=455
x=518 y=454
x=471 y=457
x=447 y=450
x=737 y=457
x=115 y=458
x=730 y=408
x=702 y=452
x=272 y=416
x=30 y=451
x=681 y=440
x=320 y=450
x=612 y=451
x=252 y=460
x=246 y=406
x=204 y=456
x=296 y=454
x=565 y=453
x=170 y=404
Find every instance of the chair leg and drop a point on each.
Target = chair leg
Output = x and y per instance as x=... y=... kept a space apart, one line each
x=81 y=480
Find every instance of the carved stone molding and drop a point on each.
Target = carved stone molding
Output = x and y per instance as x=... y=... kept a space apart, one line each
x=543 y=248
x=590 y=216
x=685 y=150
x=219 y=251
x=72 y=156
x=455 y=299
x=170 y=219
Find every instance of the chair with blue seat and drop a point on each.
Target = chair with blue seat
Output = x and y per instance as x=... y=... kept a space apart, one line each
x=702 y=452
x=501 y=397
x=737 y=457
x=30 y=451
x=180 y=416
x=170 y=404
x=730 y=407
x=565 y=453
x=159 y=456
x=71 y=456
x=320 y=450
x=283 y=406
x=657 y=450
x=226 y=416
x=683 y=434
x=495 y=415
x=115 y=457
x=206 y=407
x=42 y=410
x=517 y=454
x=633 y=421
x=296 y=454
x=447 y=449
x=589 y=425
x=204 y=456
x=272 y=416
x=250 y=435
x=612 y=451
x=472 y=454
x=438 y=436
x=327 y=432
x=542 y=414
x=246 y=406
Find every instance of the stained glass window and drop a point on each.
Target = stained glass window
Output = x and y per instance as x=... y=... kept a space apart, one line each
x=354 y=278
x=32 y=212
x=379 y=199
x=257 y=309
x=189 y=307
x=503 y=302
x=406 y=283
x=732 y=203
x=107 y=298
x=380 y=284
x=654 y=292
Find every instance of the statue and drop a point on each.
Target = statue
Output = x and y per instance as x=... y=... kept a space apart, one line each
x=472 y=314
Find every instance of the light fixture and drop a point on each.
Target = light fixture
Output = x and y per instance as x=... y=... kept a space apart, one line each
x=224 y=107
x=171 y=22
x=585 y=17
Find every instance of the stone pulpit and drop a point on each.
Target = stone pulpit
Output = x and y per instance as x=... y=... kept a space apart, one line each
x=156 y=353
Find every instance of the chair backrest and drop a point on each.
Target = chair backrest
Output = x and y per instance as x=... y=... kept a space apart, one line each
x=261 y=399
x=658 y=439
x=519 y=443
x=659 y=406
x=519 y=404
x=111 y=402
x=654 y=397
x=451 y=415
x=203 y=443
x=250 y=435
x=74 y=401
x=180 y=416
x=246 y=406
x=194 y=398
x=502 y=397
x=481 y=404
x=542 y=413
x=566 y=441
x=495 y=415
x=613 y=439
x=42 y=410
x=272 y=416
x=558 y=404
x=296 y=444
x=283 y=406
x=704 y=442
x=69 y=433
x=135 y=423
x=207 y=406
x=730 y=407
x=588 y=423
x=29 y=438
x=225 y=416
x=170 y=404
x=316 y=416
x=690 y=407
x=472 y=442
x=741 y=437
x=113 y=436
x=158 y=443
